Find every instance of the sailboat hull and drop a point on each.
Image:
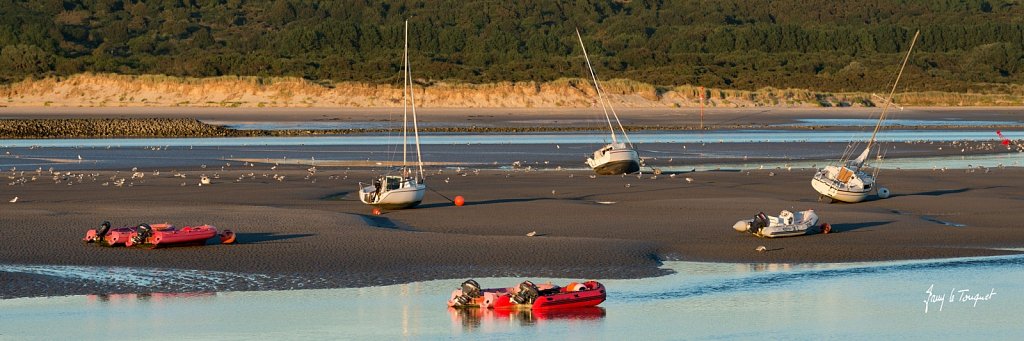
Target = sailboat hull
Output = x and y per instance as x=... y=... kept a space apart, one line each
x=615 y=162
x=406 y=197
x=826 y=188
x=617 y=167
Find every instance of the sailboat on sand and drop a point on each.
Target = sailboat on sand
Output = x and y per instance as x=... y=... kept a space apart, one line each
x=847 y=181
x=616 y=157
x=406 y=189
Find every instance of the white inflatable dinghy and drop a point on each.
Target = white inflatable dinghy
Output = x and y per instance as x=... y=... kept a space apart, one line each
x=787 y=224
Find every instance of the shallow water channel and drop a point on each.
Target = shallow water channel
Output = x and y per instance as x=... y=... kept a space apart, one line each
x=970 y=298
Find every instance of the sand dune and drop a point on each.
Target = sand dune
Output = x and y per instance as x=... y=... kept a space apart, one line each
x=111 y=90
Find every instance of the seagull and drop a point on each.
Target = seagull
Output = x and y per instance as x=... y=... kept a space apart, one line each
x=14 y=200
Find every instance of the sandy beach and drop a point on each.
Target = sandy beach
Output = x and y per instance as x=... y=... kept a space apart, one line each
x=318 y=234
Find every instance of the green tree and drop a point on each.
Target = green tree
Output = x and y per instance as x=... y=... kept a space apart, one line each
x=24 y=60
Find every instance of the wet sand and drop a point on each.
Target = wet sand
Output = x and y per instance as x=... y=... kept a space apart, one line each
x=317 y=234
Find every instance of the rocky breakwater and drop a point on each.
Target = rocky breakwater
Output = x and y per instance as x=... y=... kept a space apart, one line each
x=111 y=127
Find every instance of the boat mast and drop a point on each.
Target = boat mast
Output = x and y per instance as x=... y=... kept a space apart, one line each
x=597 y=87
x=412 y=99
x=405 y=95
x=888 y=100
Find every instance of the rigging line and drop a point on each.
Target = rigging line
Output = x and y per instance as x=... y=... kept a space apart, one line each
x=597 y=87
x=853 y=146
x=412 y=98
x=620 y=124
x=882 y=152
x=888 y=103
x=393 y=148
x=439 y=193
x=888 y=100
x=880 y=156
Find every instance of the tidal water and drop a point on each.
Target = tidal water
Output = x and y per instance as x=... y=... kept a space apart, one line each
x=890 y=123
x=967 y=162
x=960 y=299
x=688 y=150
x=724 y=136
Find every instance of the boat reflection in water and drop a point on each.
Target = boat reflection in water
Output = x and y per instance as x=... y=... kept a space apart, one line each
x=146 y=297
x=474 y=318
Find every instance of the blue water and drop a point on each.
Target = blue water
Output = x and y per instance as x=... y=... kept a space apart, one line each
x=967 y=162
x=729 y=136
x=700 y=301
x=890 y=123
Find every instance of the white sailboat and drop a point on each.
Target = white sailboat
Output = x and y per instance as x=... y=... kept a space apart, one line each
x=616 y=157
x=847 y=181
x=406 y=189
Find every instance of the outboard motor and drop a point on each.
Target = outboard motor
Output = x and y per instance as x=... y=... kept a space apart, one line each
x=470 y=290
x=760 y=221
x=527 y=293
x=143 y=232
x=102 y=230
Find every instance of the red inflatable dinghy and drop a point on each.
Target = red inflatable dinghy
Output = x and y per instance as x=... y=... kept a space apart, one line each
x=156 y=235
x=529 y=296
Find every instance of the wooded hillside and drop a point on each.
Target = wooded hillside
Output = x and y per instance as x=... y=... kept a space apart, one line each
x=853 y=45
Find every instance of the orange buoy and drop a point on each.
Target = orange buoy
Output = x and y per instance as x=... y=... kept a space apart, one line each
x=377 y=211
x=459 y=200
